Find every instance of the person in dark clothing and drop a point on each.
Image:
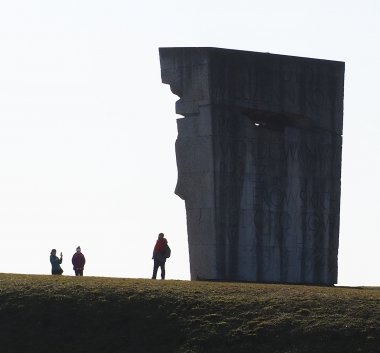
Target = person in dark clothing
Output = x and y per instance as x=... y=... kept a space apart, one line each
x=78 y=262
x=55 y=263
x=159 y=256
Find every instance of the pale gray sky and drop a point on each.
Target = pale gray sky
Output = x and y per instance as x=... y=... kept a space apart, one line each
x=87 y=129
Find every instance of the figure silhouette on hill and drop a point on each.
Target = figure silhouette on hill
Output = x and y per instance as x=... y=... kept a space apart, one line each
x=161 y=252
x=55 y=263
x=78 y=260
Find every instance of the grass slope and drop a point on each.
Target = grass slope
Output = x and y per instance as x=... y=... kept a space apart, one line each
x=69 y=314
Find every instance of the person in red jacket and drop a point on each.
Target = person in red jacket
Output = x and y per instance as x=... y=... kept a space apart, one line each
x=159 y=256
x=78 y=261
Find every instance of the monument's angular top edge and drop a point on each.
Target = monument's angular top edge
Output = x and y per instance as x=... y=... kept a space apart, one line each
x=216 y=50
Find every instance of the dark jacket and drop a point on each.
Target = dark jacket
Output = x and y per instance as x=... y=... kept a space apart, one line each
x=78 y=261
x=55 y=265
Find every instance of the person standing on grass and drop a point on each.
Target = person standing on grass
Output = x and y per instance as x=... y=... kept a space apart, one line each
x=161 y=252
x=78 y=262
x=55 y=263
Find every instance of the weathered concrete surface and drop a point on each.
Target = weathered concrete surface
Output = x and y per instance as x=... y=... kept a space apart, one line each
x=259 y=162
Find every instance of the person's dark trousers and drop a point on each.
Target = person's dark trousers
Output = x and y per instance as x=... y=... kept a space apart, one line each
x=78 y=272
x=158 y=264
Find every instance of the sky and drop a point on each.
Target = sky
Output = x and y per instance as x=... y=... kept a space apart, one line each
x=87 y=129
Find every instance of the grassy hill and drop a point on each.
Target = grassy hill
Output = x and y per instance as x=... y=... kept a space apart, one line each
x=99 y=315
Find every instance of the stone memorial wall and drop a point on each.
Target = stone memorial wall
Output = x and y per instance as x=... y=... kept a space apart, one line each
x=259 y=162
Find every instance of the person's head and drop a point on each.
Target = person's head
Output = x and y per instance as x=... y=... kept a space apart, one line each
x=79 y=249
x=161 y=236
x=53 y=252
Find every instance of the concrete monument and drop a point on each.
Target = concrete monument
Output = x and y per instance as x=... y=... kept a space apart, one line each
x=259 y=163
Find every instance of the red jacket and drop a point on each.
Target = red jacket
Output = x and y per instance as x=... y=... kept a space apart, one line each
x=78 y=260
x=160 y=245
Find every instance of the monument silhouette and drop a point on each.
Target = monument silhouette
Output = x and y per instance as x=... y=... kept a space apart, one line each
x=259 y=163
